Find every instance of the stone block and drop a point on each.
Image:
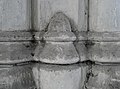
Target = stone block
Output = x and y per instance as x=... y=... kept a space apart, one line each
x=15 y=52
x=104 y=52
x=104 y=15
x=17 y=77
x=104 y=77
x=43 y=10
x=15 y=15
x=59 y=76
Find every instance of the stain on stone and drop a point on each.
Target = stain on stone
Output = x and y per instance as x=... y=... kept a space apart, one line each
x=32 y=54
x=89 y=44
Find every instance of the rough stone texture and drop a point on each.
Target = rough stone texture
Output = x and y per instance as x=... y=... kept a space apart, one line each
x=58 y=76
x=15 y=52
x=43 y=76
x=82 y=50
x=104 y=77
x=8 y=36
x=15 y=15
x=59 y=48
x=64 y=21
x=58 y=53
x=20 y=36
x=43 y=10
x=59 y=29
x=81 y=36
x=104 y=36
x=104 y=15
x=105 y=52
x=104 y=25
x=18 y=77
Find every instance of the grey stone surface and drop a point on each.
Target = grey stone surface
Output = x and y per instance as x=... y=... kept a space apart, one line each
x=15 y=52
x=43 y=10
x=59 y=48
x=58 y=76
x=18 y=77
x=59 y=29
x=43 y=76
x=15 y=15
x=7 y=36
x=58 y=53
x=64 y=21
x=104 y=25
x=104 y=36
x=104 y=77
x=18 y=36
x=81 y=36
x=104 y=15
x=82 y=50
x=105 y=52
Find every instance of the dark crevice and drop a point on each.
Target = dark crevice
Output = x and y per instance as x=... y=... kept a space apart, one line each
x=88 y=16
x=89 y=74
x=87 y=63
x=38 y=62
x=35 y=62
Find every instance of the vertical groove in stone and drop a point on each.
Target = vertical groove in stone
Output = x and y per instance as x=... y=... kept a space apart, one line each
x=88 y=2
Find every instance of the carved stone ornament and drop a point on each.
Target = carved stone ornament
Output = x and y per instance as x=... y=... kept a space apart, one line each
x=59 y=48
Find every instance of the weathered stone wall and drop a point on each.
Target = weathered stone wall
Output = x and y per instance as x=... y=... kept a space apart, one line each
x=104 y=33
x=59 y=44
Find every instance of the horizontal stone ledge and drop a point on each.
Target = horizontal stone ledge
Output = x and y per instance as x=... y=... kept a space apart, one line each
x=16 y=52
x=104 y=36
x=81 y=36
x=104 y=52
x=15 y=36
x=7 y=36
x=103 y=77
